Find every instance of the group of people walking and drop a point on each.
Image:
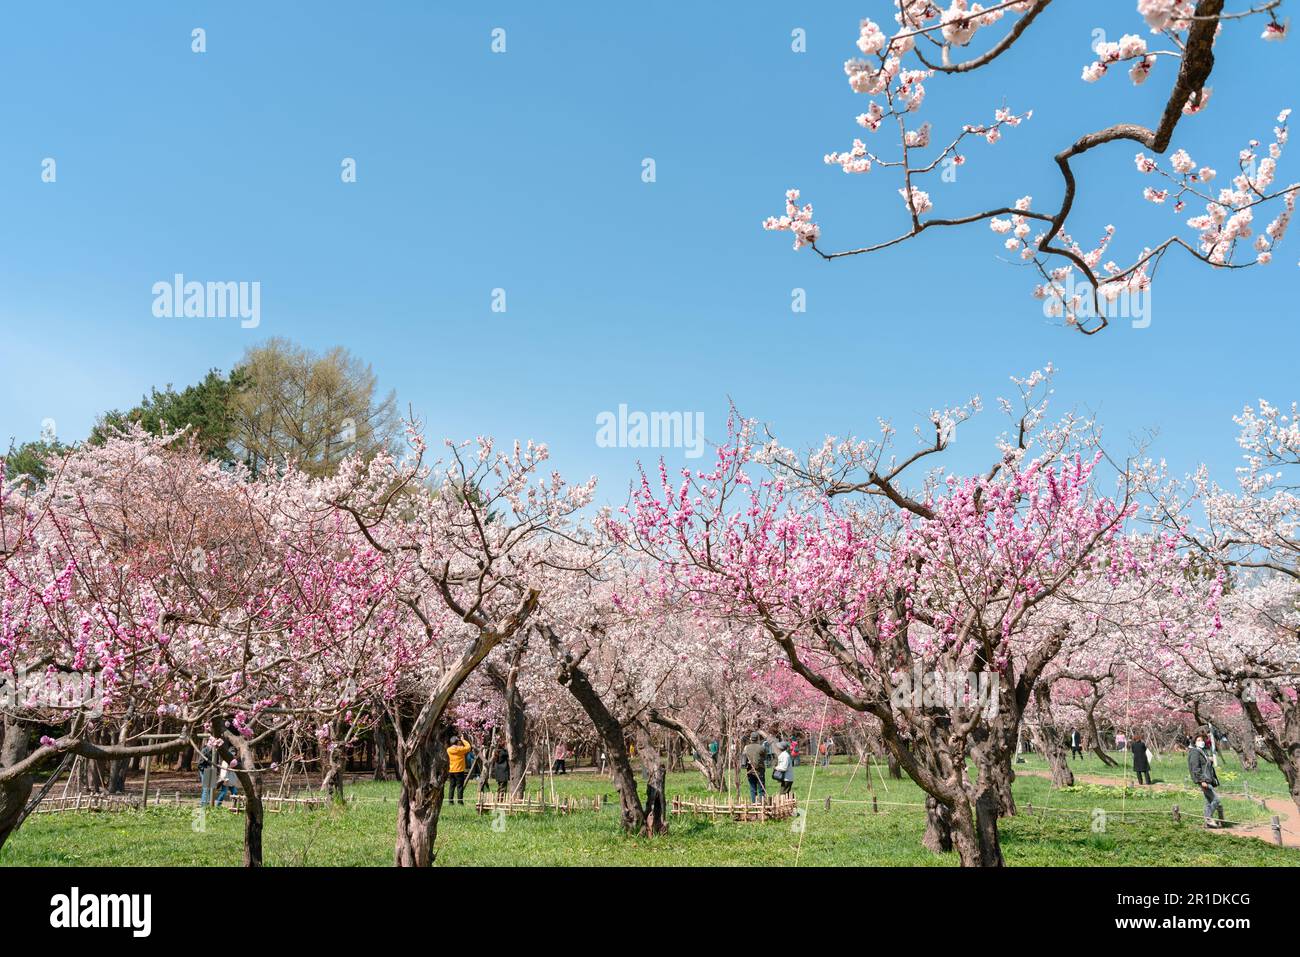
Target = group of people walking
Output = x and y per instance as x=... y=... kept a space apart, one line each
x=1200 y=767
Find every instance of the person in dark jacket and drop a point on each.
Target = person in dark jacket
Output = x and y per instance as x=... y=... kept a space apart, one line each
x=753 y=759
x=206 y=775
x=501 y=771
x=1076 y=744
x=1201 y=767
x=1141 y=764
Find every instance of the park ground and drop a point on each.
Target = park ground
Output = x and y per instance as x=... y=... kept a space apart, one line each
x=1097 y=823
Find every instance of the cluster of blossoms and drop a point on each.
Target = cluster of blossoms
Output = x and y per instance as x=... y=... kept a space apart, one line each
x=961 y=20
x=797 y=220
x=1063 y=292
x=1016 y=229
x=1229 y=213
x=903 y=92
x=1130 y=47
x=918 y=200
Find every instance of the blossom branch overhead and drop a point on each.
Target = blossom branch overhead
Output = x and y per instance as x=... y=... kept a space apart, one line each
x=1080 y=285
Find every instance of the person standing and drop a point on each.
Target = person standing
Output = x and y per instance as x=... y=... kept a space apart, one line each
x=457 y=748
x=1121 y=741
x=1141 y=765
x=501 y=771
x=1076 y=744
x=205 y=775
x=229 y=781
x=784 y=771
x=794 y=752
x=1201 y=767
x=561 y=754
x=754 y=768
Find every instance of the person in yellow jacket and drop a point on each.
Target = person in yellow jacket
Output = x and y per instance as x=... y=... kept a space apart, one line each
x=457 y=748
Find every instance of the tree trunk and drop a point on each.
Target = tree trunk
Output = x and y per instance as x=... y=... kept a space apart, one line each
x=1093 y=733
x=15 y=790
x=422 y=770
x=610 y=730
x=1049 y=740
x=656 y=803
x=713 y=767
x=1283 y=745
x=332 y=783
x=117 y=768
x=895 y=769
x=988 y=807
x=422 y=752
x=335 y=759
x=381 y=752
x=993 y=748
x=1249 y=759
x=1052 y=746
x=254 y=812
x=975 y=832
x=938 y=827
x=506 y=682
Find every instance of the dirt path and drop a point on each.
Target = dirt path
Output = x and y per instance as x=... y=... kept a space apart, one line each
x=1283 y=808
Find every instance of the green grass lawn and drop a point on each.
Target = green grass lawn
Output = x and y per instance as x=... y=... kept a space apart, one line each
x=1059 y=831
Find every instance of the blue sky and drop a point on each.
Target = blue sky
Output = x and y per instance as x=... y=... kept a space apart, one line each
x=522 y=171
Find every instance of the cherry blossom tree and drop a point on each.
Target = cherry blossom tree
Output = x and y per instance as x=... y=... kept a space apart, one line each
x=880 y=601
x=1234 y=630
x=151 y=577
x=616 y=662
x=477 y=528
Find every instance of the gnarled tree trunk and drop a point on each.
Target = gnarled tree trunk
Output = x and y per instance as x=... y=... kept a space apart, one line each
x=656 y=802
x=422 y=754
x=1049 y=740
x=423 y=773
x=938 y=826
x=1095 y=735
x=15 y=788
x=335 y=760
